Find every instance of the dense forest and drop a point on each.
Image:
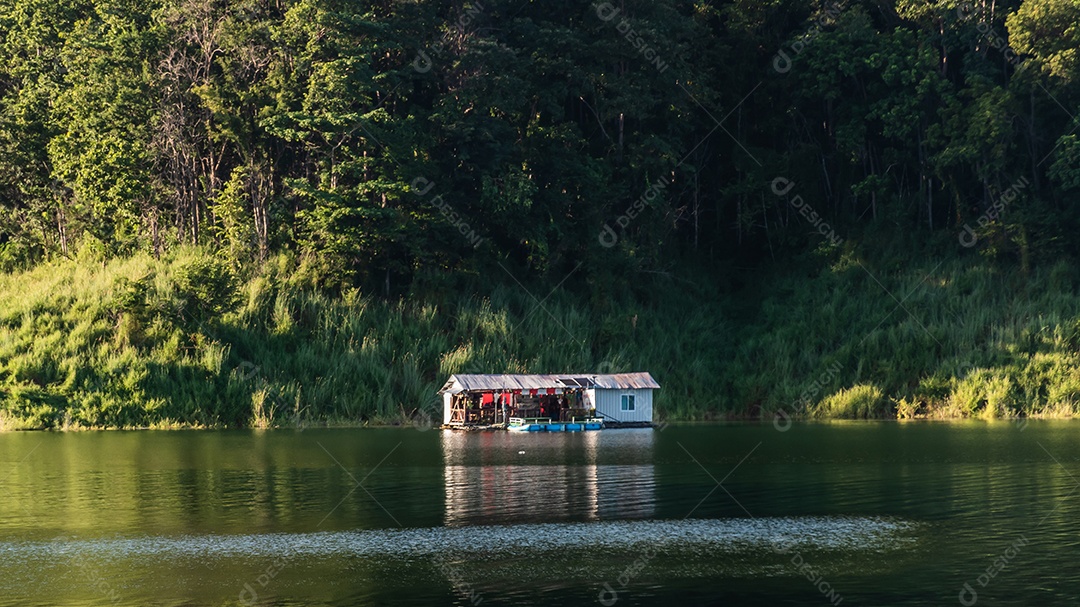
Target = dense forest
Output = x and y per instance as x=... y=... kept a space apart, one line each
x=264 y=212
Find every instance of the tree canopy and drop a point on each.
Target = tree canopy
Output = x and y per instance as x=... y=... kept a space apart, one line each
x=387 y=143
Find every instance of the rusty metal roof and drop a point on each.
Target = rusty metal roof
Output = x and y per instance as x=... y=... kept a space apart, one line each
x=495 y=382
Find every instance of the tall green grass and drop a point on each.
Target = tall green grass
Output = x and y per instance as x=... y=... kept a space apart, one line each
x=184 y=342
x=188 y=341
x=971 y=339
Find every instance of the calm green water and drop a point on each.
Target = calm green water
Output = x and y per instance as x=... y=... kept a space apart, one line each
x=850 y=514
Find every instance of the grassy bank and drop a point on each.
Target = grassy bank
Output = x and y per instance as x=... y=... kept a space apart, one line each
x=184 y=342
x=849 y=336
x=187 y=341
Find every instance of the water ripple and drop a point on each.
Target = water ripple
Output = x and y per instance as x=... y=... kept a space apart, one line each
x=727 y=535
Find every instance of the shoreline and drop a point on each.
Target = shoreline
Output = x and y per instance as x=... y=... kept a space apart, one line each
x=660 y=425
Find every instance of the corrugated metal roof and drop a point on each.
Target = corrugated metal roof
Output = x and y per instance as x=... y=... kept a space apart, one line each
x=494 y=382
x=626 y=381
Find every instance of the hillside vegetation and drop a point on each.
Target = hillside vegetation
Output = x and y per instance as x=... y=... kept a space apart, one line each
x=186 y=342
x=241 y=212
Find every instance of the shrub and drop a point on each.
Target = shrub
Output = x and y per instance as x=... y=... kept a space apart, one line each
x=206 y=286
x=859 y=401
x=985 y=392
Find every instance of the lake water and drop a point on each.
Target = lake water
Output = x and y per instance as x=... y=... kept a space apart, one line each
x=820 y=514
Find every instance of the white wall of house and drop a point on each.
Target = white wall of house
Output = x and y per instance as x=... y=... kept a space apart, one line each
x=447 y=399
x=609 y=403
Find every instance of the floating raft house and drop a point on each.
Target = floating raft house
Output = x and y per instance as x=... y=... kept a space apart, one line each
x=548 y=402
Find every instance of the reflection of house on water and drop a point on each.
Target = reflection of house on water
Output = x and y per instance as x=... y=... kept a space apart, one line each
x=560 y=477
